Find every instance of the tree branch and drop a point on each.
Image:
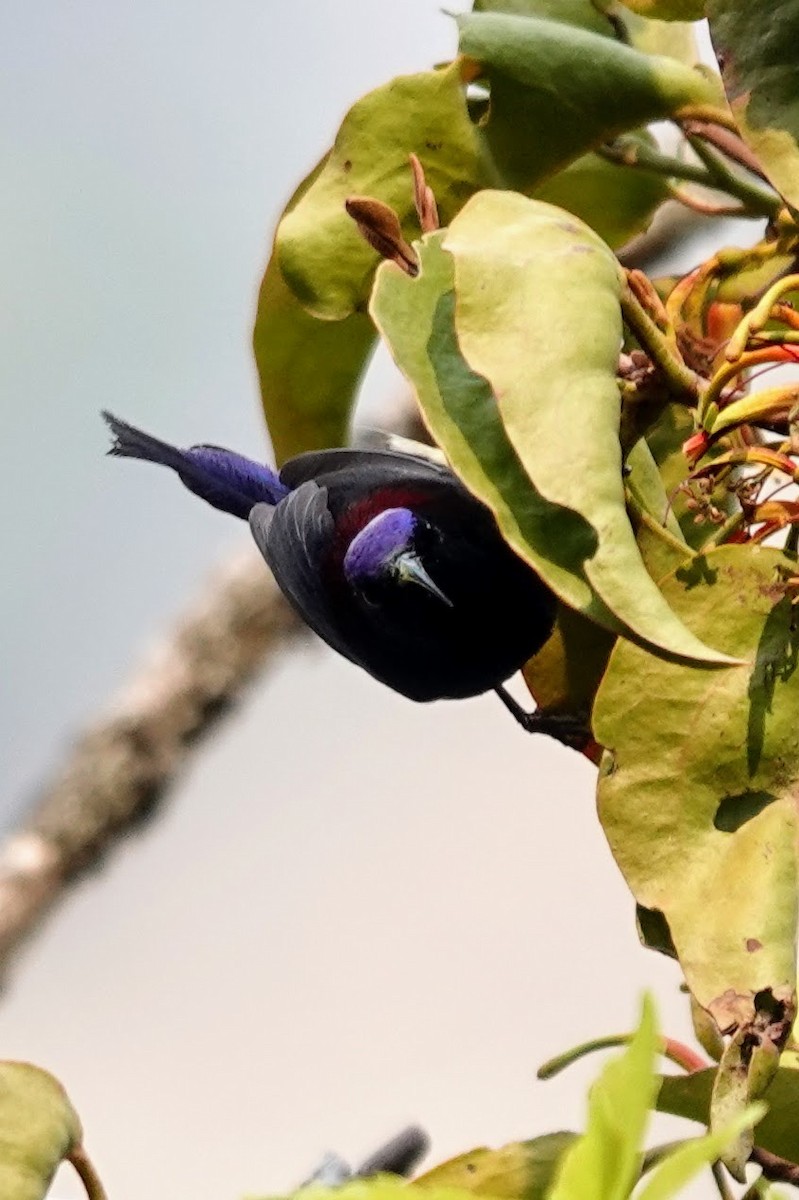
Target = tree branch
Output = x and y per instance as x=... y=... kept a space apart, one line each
x=117 y=773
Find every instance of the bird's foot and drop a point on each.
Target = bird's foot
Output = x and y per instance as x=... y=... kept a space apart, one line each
x=570 y=729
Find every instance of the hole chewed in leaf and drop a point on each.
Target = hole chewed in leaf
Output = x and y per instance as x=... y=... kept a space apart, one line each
x=735 y=811
x=653 y=930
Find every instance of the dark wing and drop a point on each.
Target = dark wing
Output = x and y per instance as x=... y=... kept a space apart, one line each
x=295 y=539
x=367 y=463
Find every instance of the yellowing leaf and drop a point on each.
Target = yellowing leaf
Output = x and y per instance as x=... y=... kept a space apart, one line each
x=518 y=1171
x=38 y=1128
x=309 y=369
x=697 y=789
x=325 y=261
x=537 y=317
x=669 y=10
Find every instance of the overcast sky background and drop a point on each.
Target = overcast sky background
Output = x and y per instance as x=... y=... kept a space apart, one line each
x=354 y=911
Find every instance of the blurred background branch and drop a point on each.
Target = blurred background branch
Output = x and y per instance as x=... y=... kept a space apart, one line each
x=118 y=771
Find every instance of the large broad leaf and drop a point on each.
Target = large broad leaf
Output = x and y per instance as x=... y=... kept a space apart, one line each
x=604 y=1163
x=558 y=91
x=518 y=1171
x=324 y=259
x=618 y=202
x=417 y=319
x=309 y=369
x=38 y=1129
x=697 y=789
x=758 y=52
x=537 y=317
x=690 y=1095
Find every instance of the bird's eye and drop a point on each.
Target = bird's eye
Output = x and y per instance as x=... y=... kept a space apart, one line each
x=370 y=591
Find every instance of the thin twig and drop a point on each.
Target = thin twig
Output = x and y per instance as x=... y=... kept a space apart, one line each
x=684 y=384
x=778 y=1170
x=118 y=771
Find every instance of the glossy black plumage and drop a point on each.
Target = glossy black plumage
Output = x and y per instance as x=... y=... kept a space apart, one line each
x=386 y=555
x=500 y=612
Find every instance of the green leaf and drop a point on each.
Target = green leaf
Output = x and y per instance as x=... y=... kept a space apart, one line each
x=665 y=439
x=537 y=317
x=660 y=542
x=673 y=38
x=309 y=369
x=383 y=1187
x=38 y=1129
x=326 y=262
x=557 y=91
x=745 y=1071
x=680 y=1167
x=518 y=1171
x=689 y=1096
x=696 y=792
x=669 y=10
x=583 y=13
x=759 y=60
x=604 y=1163
x=565 y=673
x=618 y=202
x=416 y=317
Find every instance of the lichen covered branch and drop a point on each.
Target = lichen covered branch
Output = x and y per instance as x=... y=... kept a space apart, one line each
x=118 y=771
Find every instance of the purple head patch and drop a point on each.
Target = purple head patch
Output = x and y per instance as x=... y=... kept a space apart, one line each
x=386 y=536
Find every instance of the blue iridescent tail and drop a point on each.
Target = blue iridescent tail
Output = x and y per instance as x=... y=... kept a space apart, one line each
x=226 y=480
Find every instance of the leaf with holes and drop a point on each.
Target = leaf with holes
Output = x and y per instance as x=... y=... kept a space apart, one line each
x=689 y=1096
x=557 y=91
x=759 y=60
x=697 y=789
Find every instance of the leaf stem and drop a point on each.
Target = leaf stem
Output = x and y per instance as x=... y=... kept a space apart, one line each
x=682 y=382
x=87 y=1174
x=660 y=531
x=677 y=1053
x=646 y=158
x=759 y=200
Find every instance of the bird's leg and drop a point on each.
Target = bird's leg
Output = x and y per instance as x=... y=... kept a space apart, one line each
x=570 y=729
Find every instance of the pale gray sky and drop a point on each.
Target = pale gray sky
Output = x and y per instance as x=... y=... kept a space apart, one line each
x=355 y=911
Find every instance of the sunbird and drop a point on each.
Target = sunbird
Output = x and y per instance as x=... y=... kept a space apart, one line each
x=389 y=558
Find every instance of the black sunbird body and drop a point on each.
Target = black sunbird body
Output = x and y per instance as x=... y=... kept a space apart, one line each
x=385 y=555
